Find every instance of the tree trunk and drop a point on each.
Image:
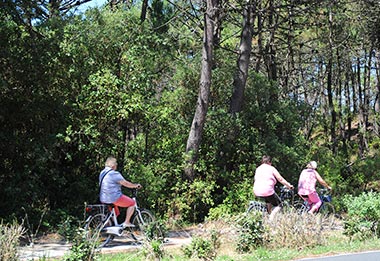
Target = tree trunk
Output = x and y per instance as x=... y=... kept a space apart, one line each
x=329 y=86
x=195 y=135
x=245 y=48
x=144 y=8
x=377 y=93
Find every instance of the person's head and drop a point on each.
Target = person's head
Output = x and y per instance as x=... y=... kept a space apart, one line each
x=111 y=162
x=266 y=160
x=312 y=165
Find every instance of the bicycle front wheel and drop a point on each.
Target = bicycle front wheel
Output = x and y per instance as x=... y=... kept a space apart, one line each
x=93 y=228
x=146 y=226
x=327 y=209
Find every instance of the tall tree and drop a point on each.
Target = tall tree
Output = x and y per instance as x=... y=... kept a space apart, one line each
x=244 y=54
x=195 y=135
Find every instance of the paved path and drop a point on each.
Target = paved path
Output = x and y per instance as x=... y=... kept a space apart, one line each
x=363 y=256
x=59 y=249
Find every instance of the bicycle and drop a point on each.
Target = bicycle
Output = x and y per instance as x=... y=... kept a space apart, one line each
x=287 y=199
x=327 y=209
x=102 y=224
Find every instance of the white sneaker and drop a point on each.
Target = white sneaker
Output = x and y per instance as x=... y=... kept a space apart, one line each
x=125 y=225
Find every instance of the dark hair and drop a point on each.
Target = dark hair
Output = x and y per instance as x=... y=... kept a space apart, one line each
x=266 y=159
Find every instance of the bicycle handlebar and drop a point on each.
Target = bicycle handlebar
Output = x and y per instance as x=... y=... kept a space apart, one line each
x=325 y=191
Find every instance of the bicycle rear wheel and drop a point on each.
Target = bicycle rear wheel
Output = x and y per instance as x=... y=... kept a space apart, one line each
x=146 y=226
x=301 y=207
x=93 y=228
x=257 y=206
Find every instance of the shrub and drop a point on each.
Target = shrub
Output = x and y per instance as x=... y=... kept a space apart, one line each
x=204 y=247
x=200 y=248
x=251 y=231
x=82 y=248
x=9 y=240
x=68 y=228
x=363 y=215
x=153 y=250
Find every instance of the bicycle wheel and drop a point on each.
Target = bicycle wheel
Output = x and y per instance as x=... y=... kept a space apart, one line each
x=327 y=211
x=146 y=226
x=301 y=208
x=257 y=206
x=286 y=207
x=93 y=228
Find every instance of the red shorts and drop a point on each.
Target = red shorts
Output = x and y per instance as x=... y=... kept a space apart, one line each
x=313 y=199
x=123 y=202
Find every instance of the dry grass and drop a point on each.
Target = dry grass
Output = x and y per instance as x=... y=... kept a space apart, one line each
x=291 y=229
x=9 y=241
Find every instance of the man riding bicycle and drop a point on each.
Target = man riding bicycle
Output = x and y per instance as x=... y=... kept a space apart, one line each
x=110 y=182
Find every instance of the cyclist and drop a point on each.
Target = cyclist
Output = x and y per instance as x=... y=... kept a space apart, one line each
x=306 y=186
x=266 y=177
x=110 y=182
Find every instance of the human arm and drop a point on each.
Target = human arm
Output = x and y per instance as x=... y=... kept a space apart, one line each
x=322 y=181
x=128 y=184
x=282 y=180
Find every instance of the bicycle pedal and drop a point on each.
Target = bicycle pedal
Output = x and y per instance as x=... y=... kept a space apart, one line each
x=114 y=230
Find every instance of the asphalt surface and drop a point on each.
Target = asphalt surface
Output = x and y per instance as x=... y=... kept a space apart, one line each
x=55 y=250
x=363 y=256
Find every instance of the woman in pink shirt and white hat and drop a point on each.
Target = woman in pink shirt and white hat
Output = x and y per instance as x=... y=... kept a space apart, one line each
x=306 y=186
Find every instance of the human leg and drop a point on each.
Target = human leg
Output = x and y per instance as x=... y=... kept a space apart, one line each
x=275 y=201
x=269 y=207
x=128 y=203
x=314 y=201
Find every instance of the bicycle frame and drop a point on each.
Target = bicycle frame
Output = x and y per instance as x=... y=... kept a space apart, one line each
x=324 y=199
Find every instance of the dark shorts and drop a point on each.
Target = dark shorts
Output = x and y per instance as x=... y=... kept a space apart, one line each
x=272 y=199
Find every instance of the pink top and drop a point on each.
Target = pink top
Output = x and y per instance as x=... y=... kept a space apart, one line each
x=265 y=180
x=307 y=181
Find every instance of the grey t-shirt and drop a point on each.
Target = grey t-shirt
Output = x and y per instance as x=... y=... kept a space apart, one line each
x=110 y=190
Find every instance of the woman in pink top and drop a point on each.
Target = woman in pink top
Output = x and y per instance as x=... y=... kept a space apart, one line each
x=306 y=186
x=266 y=177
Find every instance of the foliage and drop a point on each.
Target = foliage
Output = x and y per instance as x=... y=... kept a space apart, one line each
x=82 y=248
x=68 y=227
x=251 y=231
x=363 y=215
x=153 y=250
x=78 y=87
x=9 y=240
x=203 y=248
x=235 y=200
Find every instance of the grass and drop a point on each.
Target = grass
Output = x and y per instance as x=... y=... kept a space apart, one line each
x=336 y=243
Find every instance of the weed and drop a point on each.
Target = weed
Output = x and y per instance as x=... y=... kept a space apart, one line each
x=82 y=248
x=290 y=229
x=251 y=231
x=9 y=240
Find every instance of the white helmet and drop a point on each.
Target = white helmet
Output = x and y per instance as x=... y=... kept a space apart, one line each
x=313 y=164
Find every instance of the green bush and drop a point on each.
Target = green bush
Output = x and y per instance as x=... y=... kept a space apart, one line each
x=200 y=248
x=153 y=250
x=203 y=248
x=68 y=227
x=363 y=215
x=251 y=231
x=82 y=248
